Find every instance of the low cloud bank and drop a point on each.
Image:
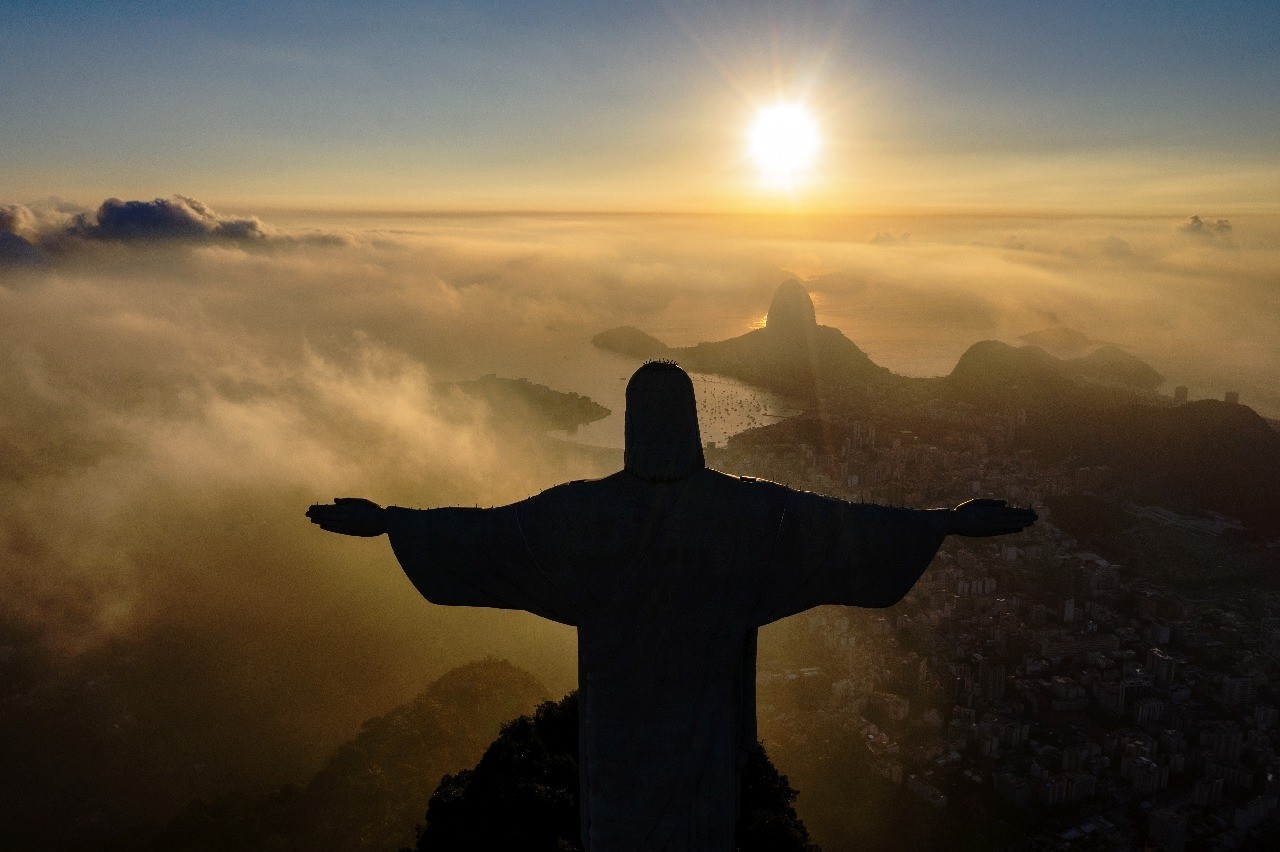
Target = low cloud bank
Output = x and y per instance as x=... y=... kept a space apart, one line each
x=34 y=234
x=177 y=218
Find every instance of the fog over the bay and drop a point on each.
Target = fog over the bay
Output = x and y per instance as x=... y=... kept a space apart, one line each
x=178 y=384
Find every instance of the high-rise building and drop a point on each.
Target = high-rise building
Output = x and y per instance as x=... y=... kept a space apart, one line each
x=1167 y=830
x=1179 y=394
x=1235 y=691
x=1147 y=776
x=1250 y=815
x=1208 y=792
x=1271 y=637
x=990 y=676
x=1148 y=710
x=1233 y=397
x=1163 y=667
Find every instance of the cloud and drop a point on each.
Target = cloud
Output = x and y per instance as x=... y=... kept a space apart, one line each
x=59 y=230
x=19 y=227
x=179 y=219
x=18 y=219
x=1217 y=231
x=1115 y=248
x=166 y=415
x=15 y=251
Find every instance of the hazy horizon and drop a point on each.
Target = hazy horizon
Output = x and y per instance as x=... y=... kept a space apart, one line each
x=127 y=348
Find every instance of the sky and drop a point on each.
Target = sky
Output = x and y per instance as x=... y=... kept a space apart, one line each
x=590 y=106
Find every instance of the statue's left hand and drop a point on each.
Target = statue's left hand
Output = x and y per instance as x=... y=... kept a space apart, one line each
x=349 y=516
x=983 y=517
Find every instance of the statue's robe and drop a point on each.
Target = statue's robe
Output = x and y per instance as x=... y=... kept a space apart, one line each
x=667 y=584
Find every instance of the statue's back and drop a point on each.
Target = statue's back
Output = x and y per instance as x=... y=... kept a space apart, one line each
x=669 y=576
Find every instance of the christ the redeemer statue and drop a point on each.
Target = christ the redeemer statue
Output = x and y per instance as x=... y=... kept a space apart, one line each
x=667 y=569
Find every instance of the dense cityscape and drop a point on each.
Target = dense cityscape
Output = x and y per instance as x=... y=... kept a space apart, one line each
x=1036 y=679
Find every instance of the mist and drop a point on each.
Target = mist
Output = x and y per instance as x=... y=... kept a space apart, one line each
x=178 y=385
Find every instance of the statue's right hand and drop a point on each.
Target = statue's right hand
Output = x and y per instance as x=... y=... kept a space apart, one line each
x=349 y=516
x=984 y=517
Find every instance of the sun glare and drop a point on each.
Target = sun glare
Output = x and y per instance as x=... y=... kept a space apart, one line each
x=783 y=142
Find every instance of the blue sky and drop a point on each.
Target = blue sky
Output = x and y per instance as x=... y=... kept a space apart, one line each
x=628 y=105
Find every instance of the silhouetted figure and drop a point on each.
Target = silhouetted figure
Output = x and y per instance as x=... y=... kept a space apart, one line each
x=667 y=569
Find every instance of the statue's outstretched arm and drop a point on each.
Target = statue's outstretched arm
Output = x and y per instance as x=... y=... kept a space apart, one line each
x=349 y=516
x=458 y=556
x=984 y=517
x=828 y=551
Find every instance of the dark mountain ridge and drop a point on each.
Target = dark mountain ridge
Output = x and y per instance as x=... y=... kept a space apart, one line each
x=1098 y=409
x=1111 y=365
x=373 y=791
x=992 y=373
x=791 y=354
x=1207 y=454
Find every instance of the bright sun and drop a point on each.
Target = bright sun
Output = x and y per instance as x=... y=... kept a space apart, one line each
x=783 y=141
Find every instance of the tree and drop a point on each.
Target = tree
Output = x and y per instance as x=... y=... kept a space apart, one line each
x=523 y=795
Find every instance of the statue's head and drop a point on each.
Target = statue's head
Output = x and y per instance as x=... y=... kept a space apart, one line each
x=663 y=441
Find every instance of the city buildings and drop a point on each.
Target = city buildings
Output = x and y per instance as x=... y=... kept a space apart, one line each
x=1126 y=710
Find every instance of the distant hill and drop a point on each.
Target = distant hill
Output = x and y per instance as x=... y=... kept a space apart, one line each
x=1096 y=409
x=522 y=399
x=992 y=372
x=1091 y=360
x=1059 y=338
x=990 y=368
x=1205 y=455
x=792 y=354
x=632 y=342
x=1111 y=365
x=1202 y=455
x=373 y=792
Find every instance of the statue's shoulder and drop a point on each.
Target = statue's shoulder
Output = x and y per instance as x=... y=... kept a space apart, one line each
x=745 y=484
x=733 y=478
x=579 y=487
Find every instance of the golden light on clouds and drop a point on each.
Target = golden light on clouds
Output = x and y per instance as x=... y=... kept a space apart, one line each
x=783 y=142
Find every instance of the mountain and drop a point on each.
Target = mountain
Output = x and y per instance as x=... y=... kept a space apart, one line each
x=1111 y=365
x=1059 y=338
x=990 y=369
x=1204 y=455
x=990 y=372
x=1105 y=364
x=520 y=400
x=632 y=342
x=1094 y=409
x=373 y=791
x=792 y=354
